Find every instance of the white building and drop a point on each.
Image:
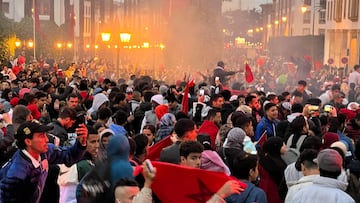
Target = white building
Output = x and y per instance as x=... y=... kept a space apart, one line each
x=342 y=32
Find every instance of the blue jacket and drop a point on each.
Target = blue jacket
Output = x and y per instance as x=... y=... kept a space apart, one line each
x=118 y=129
x=265 y=124
x=250 y=195
x=21 y=182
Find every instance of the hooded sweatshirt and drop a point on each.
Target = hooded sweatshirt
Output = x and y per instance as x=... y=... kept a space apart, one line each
x=118 y=156
x=99 y=99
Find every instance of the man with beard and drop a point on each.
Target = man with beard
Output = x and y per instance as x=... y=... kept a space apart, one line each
x=253 y=102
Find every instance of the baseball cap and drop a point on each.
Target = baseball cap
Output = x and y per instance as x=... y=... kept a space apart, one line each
x=330 y=160
x=28 y=129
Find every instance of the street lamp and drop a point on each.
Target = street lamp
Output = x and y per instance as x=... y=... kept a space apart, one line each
x=105 y=36
x=315 y=9
x=24 y=45
x=124 y=38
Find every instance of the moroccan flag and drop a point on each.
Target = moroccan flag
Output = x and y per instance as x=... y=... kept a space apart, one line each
x=262 y=139
x=174 y=183
x=185 y=99
x=155 y=150
x=248 y=74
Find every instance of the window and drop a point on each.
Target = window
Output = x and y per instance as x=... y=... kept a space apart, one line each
x=331 y=10
x=345 y=9
x=307 y=17
x=87 y=18
x=338 y=10
x=322 y=15
x=353 y=11
x=44 y=7
x=323 y=4
x=328 y=13
x=5 y=7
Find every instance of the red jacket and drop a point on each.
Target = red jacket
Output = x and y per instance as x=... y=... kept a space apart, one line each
x=269 y=186
x=211 y=129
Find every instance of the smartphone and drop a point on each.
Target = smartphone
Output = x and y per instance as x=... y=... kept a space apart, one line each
x=217 y=78
x=327 y=108
x=149 y=166
x=44 y=108
x=313 y=108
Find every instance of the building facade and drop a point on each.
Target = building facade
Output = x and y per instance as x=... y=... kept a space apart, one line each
x=342 y=36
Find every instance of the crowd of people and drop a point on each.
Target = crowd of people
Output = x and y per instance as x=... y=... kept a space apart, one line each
x=67 y=138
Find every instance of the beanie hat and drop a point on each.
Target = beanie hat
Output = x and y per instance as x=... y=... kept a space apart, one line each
x=328 y=139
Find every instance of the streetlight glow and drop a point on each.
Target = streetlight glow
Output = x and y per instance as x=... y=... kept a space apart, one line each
x=58 y=45
x=30 y=44
x=304 y=8
x=284 y=18
x=69 y=45
x=146 y=45
x=17 y=43
x=276 y=22
x=87 y=46
x=105 y=36
x=96 y=46
x=125 y=37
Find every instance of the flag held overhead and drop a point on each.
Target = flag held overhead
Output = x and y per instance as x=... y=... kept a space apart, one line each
x=248 y=74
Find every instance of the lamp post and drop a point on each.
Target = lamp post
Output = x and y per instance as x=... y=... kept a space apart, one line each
x=105 y=37
x=124 y=38
x=304 y=8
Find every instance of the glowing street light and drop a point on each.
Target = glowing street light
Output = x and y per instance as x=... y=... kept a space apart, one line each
x=146 y=45
x=276 y=22
x=59 y=45
x=284 y=19
x=125 y=37
x=17 y=43
x=30 y=44
x=87 y=46
x=105 y=36
x=69 y=45
x=304 y=8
